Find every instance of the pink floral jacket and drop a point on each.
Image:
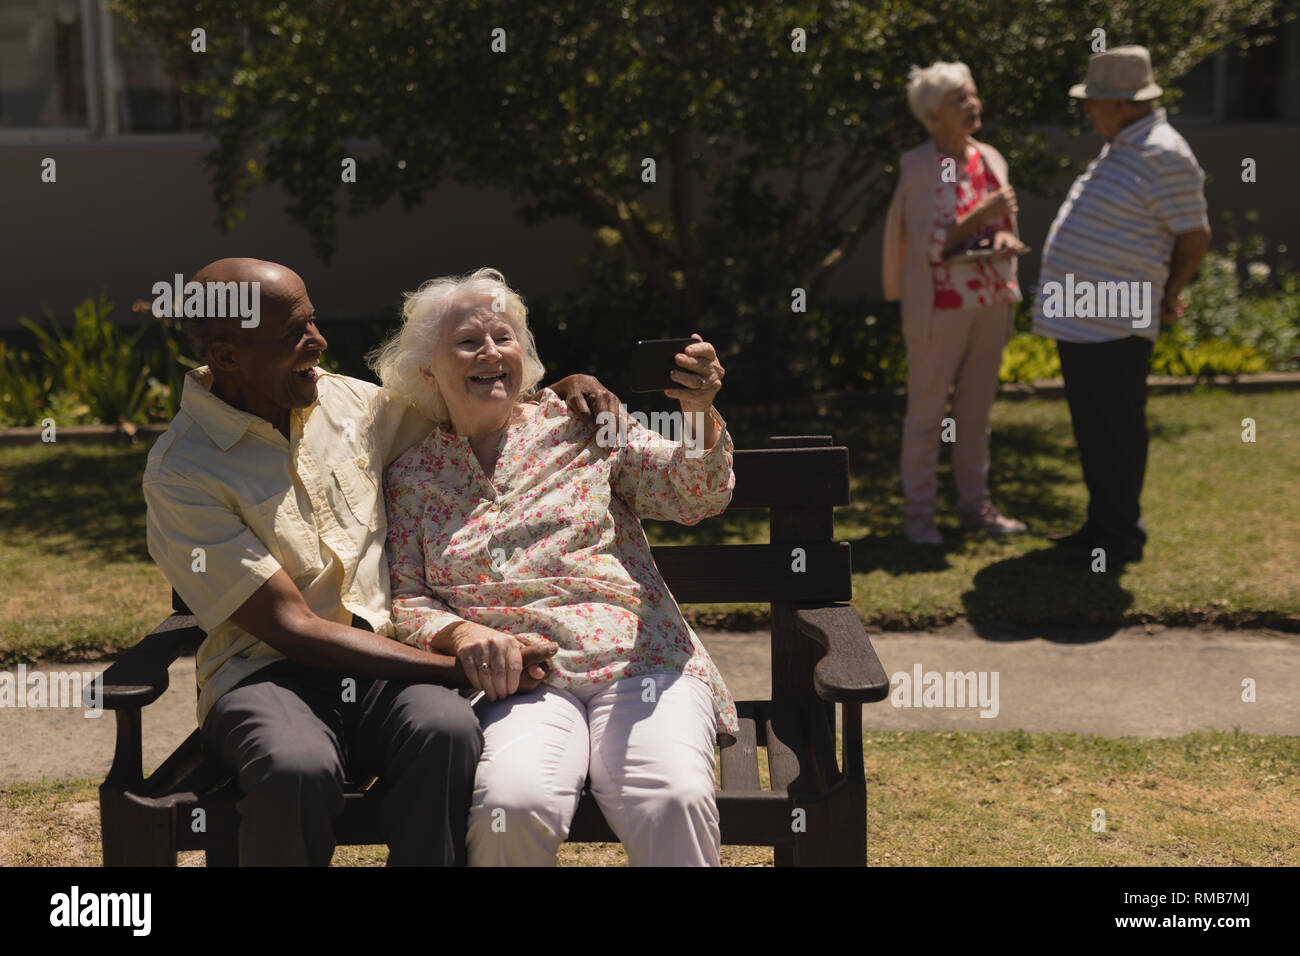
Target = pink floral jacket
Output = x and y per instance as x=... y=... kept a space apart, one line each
x=549 y=545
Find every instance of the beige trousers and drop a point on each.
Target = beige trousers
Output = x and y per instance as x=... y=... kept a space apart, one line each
x=963 y=356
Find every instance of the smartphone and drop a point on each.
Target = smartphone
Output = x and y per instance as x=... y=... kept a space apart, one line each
x=652 y=361
x=982 y=250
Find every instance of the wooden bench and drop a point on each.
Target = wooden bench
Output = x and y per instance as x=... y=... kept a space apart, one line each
x=816 y=810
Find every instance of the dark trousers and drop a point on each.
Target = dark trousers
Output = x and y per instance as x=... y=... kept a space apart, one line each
x=1106 y=388
x=293 y=733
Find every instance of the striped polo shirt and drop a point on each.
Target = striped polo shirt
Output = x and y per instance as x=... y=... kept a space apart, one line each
x=1106 y=259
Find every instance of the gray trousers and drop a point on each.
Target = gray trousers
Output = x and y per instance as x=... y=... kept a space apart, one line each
x=293 y=733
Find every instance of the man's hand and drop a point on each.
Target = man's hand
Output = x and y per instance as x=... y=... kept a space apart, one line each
x=1172 y=309
x=586 y=397
x=497 y=663
x=277 y=614
x=1189 y=249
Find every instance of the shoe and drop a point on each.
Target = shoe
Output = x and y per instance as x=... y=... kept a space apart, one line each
x=990 y=519
x=921 y=531
x=1120 y=553
x=1077 y=540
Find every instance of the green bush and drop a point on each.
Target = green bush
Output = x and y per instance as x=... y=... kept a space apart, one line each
x=1246 y=304
x=23 y=387
x=96 y=373
x=1242 y=317
x=1030 y=357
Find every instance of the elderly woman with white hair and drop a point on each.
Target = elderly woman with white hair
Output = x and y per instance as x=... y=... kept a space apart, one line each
x=949 y=255
x=516 y=520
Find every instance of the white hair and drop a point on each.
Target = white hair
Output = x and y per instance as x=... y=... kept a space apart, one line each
x=399 y=360
x=927 y=87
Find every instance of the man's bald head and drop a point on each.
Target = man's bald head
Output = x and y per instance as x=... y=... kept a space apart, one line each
x=266 y=368
x=280 y=290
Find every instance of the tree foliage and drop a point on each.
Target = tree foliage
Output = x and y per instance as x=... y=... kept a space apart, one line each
x=771 y=164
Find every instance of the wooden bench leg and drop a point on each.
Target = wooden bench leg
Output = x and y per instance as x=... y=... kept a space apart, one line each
x=222 y=856
x=133 y=834
x=836 y=833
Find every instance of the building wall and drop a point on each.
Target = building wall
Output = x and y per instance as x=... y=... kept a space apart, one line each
x=128 y=211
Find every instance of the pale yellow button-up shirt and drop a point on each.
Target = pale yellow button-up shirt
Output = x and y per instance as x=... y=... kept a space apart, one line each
x=231 y=501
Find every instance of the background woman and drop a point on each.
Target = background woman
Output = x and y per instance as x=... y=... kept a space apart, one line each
x=953 y=195
x=516 y=519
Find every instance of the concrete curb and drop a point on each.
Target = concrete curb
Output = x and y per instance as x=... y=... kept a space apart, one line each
x=82 y=434
x=1125 y=682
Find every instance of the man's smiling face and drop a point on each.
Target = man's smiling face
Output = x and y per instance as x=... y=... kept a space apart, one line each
x=270 y=369
x=278 y=362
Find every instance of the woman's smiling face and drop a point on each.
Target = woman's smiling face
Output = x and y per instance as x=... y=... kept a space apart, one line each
x=478 y=366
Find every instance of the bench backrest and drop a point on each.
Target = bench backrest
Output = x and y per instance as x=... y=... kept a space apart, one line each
x=799 y=481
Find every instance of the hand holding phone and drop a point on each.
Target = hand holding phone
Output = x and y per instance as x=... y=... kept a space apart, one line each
x=653 y=362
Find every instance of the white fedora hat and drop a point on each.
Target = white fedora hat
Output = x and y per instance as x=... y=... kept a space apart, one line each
x=1123 y=73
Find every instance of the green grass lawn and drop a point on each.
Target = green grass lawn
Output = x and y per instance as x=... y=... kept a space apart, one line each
x=934 y=799
x=1223 y=519
x=1222 y=515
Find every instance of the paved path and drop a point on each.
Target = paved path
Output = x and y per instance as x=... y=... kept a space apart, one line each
x=1134 y=682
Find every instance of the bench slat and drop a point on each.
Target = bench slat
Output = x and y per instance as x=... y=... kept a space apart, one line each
x=785 y=741
x=790 y=477
x=801 y=479
x=761 y=573
x=746 y=818
x=740 y=760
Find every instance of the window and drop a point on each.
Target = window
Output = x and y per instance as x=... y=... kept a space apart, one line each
x=42 y=64
x=142 y=93
x=1234 y=86
x=73 y=64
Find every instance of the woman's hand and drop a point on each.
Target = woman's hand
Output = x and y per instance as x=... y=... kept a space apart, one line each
x=1004 y=241
x=497 y=663
x=700 y=374
x=994 y=206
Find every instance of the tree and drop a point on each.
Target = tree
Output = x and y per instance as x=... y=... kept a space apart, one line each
x=773 y=159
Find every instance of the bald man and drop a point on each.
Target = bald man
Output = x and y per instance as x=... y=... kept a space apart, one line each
x=265 y=514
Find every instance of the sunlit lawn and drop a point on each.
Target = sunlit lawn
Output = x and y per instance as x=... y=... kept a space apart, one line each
x=1223 y=518
x=934 y=799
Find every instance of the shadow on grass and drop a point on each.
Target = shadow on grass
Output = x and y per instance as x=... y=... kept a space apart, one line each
x=1029 y=463
x=895 y=554
x=1050 y=593
x=76 y=499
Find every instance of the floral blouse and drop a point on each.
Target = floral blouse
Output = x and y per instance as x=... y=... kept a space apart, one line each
x=549 y=546
x=968 y=283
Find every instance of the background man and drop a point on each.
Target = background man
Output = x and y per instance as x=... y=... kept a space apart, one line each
x=1137 y=213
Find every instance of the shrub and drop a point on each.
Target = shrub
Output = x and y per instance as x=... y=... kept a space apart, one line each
x=98 y=373
x=23 y=387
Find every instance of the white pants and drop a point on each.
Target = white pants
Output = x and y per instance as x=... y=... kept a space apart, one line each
x=648 y=746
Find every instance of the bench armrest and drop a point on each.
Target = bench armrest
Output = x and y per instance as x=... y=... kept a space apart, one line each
x=850 y=673
x=139 y=677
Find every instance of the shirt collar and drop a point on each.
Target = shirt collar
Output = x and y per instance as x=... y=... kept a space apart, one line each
x=1137 y=131
x=223 y=423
